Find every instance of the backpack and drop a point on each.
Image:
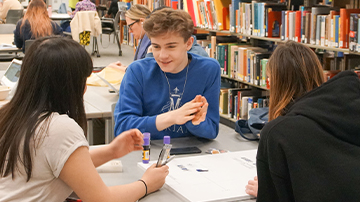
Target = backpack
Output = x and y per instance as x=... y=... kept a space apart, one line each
x=250 y=129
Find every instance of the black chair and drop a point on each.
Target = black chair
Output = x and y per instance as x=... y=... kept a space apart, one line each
x=28 y=44
x=14 y=15
x=111 y=26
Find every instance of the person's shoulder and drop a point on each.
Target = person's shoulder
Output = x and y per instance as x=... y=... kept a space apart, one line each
x=205 y=63
x=284 y=127
x=205 y=60
x=143 y=65
x=61 y=120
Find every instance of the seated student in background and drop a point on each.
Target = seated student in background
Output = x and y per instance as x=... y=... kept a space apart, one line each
x=82 y=5
x=113 y=9
x=135 y=18
x=310 y=149
x=6 y=5
x=138 y=13
x=44 y=154
x=175 y=93
x=35 y=24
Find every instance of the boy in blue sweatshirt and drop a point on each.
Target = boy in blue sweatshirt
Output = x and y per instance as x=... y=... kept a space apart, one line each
x=175 y=93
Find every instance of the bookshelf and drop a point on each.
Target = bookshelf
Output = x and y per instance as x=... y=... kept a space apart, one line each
x=245 y=83
x=326 y=37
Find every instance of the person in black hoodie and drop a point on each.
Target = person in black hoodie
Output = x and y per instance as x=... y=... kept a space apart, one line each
x=310 y=150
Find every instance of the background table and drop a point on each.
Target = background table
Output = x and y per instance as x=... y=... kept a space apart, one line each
x=60 y=16
x=102 y=100
x=8 y=39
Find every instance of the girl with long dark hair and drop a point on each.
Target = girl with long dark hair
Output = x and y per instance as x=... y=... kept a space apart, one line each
x=44 y=154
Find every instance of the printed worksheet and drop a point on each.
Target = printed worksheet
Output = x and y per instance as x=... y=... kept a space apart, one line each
x=213 y=177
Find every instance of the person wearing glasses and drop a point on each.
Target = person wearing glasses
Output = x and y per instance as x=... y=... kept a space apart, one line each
x=135 y=18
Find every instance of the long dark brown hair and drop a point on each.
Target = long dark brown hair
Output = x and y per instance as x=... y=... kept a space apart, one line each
x=52 y=79
x=38 y=18
x=294 y=70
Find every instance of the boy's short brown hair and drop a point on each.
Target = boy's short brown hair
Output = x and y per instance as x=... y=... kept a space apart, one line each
x=168 y=20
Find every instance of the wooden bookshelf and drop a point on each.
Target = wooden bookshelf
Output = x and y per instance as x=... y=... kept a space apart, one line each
x=224 y=119
x=244 y=82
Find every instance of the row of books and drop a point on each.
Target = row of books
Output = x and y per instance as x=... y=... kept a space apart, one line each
x=237 y=102
x=316 y=25
x=242 y=62
x=211 y=14
x=338 y=61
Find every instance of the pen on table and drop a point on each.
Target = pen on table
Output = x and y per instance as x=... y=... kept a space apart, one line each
x=202 y=170
x=169 y=159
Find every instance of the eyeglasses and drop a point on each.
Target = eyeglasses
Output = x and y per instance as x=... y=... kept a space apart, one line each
x=130 y=25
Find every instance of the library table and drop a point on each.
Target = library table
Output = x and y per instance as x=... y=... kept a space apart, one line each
x=227 y=139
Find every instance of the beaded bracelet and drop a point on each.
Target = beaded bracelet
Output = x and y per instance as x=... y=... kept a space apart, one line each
x=145 y=186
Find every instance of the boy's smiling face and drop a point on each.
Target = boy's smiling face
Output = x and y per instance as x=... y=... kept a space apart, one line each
x=170 y=51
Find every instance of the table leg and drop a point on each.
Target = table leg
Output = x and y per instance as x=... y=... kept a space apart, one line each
x=90 y=132
x=108 y=131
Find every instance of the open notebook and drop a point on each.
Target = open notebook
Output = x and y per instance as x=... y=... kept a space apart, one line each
x=111 y=77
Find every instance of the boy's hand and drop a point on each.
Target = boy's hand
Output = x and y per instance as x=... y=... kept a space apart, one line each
x=200 y=116
x=187 y=111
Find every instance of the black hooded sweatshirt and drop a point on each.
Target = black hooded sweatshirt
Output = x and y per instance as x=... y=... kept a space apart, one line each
x=313 y=152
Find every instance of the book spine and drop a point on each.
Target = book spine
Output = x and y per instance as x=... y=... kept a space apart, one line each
x=251 y=70
x=358 y=39
x=322 y=29
x=337 y=30
x=332 y=34
x=291 y=26
x=313 y=29
x=263 y=72
x=286 y=25
x=307 y=27
x=262 y=19
x=236 y=64
x=318 y=30
x=353 y=32
x=283 y=25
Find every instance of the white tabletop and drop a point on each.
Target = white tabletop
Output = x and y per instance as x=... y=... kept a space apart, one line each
x=60 y=16
x=6 y=38
x=101 y=99
x=90 y=110
x=228 y=139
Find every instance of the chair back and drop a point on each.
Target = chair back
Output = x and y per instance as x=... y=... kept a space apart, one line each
x=122 y=7
x=7 y=28
x=28 y=43
x=117 y=20
x=13 y=16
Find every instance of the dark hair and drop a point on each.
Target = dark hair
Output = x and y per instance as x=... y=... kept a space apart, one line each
x=294 y=70
x=168 y=20
x=52 y=79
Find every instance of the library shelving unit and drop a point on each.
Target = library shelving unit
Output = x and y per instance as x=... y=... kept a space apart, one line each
x=202 y=11
x=276 y=40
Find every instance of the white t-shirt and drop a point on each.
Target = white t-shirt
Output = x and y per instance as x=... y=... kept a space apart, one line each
x=63 y=138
